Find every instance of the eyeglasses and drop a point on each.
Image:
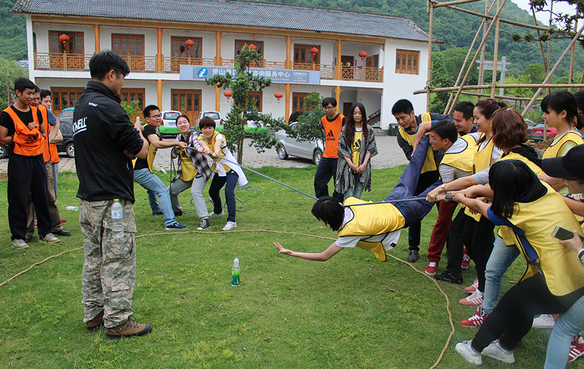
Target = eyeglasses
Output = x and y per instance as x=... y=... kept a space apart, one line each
x=155 y=116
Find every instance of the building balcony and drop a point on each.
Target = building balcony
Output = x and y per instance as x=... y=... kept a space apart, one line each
x=138 y=63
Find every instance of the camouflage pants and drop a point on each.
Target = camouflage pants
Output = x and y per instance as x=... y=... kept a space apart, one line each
x=109 y=269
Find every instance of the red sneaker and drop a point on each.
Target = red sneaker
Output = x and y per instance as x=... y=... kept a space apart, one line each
x=473 y=300
x=465 y=260
x=431 y=268
x=475 y=320
x=473 y=287
x=576 y=349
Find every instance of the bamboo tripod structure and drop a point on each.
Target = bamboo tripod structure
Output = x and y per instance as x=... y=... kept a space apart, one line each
x=489 y=22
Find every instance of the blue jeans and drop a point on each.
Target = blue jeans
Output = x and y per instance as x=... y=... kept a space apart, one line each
x=154 y=185
x=568 y=325
x=355 y=191
x=500 y=260
x=217 y=183
x=327 y=169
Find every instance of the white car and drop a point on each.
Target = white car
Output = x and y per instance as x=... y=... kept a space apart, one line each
x=215 y=115
x=168 y=126
x=303 y=149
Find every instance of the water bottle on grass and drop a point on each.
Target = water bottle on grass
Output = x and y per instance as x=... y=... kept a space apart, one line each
x=235 y=272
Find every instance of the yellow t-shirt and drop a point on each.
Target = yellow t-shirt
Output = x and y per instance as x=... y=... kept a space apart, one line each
x=356 y=147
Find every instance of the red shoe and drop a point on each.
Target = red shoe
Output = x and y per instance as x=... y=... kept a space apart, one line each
x=63 y=220
x=465 y=260
x=576 y=349
x=473 y=287
x=475 y=299
x=475 y=320
x=431 y=268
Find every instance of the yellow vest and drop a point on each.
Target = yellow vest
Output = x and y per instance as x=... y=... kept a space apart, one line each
x=481 y=161
x=555 y=148
x=188 y=170
x=429 y=163
x=561 y=268
x=212 y=148
x=372 y=220
x=505 y=232
x=463 y=159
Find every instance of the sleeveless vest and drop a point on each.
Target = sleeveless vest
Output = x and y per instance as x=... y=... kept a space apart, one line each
x=27 y=142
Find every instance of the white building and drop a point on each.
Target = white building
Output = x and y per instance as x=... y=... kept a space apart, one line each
x=355 y=57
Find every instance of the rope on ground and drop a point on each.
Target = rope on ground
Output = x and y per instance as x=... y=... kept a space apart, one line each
x=38 y=263
x=279 y=232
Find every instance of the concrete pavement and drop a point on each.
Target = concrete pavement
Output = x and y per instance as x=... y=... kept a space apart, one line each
x=390 y=155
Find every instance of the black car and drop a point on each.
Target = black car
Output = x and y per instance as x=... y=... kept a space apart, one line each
x=66 y=145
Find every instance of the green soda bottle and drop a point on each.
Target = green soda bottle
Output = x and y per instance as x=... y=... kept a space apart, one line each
x=235 y=272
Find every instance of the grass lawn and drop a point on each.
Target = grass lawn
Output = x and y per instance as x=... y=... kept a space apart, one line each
x=349 y=312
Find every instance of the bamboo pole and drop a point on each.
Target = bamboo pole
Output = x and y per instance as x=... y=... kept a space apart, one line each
x=545 y=66
x=514 y=23
x=449 y=3
x=572 y=58
x=500 y=85
x=506 y=97
x=549 y=76
x=495 y=55
x=429 y=80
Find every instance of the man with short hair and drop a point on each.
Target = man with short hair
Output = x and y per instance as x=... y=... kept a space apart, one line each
x=22 y=126
x=47 y=102
x=403 y=111
x=331 y=123
x=105 y=143
x=49 y=154
x=144 y=176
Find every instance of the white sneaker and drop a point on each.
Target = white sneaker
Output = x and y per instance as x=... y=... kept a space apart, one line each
x=19 y=244
x=544 y=321
x=495 y=351
x=229 y=226
x=49 y=237
x=465 y=350
x=213 y=214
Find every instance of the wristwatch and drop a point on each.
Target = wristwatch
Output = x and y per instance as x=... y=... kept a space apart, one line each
x=443 y=188
x=581 y=256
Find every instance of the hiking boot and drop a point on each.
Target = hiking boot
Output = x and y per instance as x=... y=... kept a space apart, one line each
x=28 y=238
x=497 y=352
x=204 y=225
x=465 y=260
x=465 y=350
x=476 y=320
x=50 y=238
x=213 y=214
x=475 y=299
x=229 y=226
x=448 y=277
x=96 y=323
x=178 y=213
x=544 y=321
x=129 y=329
x=473 y=287
x=175 y=226
x=19 y=244
x=576 y=349
x=413 y=256
x=431 y=268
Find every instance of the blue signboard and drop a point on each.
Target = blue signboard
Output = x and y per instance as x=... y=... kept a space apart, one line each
x=292 y=76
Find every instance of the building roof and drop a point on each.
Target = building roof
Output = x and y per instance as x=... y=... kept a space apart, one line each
x=236 y=13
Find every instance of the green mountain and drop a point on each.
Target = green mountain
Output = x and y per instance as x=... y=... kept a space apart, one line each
x=454 y=28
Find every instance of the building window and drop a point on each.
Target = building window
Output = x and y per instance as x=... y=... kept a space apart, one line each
x=187 y=102
x=298 y=101
x=68 y=56
x=131 y=48
x=239 y=45
x=128 y=95
x=64 y=97
x=407 y=61
x=303 y=58
x=182 y=55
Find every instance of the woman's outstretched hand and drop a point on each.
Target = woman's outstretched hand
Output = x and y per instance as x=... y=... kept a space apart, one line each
x=281 y=248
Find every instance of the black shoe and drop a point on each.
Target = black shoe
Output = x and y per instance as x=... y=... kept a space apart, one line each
x=63 y=232
x=178 y=213
x=157 y=213
x=28 y=238
x=448 y=277
x=413 y=256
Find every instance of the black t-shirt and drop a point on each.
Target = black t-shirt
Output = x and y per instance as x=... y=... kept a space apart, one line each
x=7 y=122
x=101 y=133
x=148 y=130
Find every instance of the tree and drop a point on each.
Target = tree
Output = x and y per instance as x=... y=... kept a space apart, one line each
x=240 y=83
x=9 y=71
x=309 y=126
x=440 y=78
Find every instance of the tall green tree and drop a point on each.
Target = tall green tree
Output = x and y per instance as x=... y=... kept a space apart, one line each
x=241 y=83
x=9 y=71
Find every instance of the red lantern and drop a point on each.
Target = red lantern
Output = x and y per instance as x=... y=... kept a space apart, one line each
x=314 y=52
x=363 y=55
x=252 y=47
x=278 y=95
x=227 y=94
x=189 y=43
x=64 y=39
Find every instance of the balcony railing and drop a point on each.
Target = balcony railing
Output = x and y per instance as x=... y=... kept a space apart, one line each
x=137 y=63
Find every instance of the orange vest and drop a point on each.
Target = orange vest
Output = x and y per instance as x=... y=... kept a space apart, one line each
x=50 y=151
x=332 y=132
x=27 y=142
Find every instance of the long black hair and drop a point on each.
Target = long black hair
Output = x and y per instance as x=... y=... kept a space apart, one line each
x=329 y=210
x=559 y=101
x=512 y=181
x=350 y=124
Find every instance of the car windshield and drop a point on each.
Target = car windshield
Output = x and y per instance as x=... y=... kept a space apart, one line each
x=171 y=115
x=66 y=114
x=213 y=115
